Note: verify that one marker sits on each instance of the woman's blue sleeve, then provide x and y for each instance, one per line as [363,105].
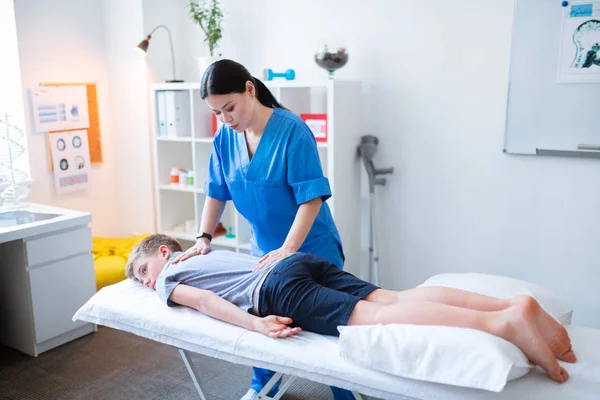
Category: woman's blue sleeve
[215,185]
[304,171]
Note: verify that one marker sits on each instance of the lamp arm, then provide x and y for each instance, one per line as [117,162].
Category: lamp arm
[170,44]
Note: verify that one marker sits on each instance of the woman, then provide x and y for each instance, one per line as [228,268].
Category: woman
[266,160]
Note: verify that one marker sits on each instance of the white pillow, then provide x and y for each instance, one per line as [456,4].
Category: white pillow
[502,287]
[449,355]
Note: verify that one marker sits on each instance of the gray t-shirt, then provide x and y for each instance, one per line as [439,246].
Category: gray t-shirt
[226,273]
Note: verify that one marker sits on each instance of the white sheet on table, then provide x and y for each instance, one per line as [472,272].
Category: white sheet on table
[131,307]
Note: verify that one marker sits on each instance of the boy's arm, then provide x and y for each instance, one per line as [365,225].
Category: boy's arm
[214,306]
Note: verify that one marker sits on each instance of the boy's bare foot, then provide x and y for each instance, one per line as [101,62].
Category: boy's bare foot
[555,335]
[521,330]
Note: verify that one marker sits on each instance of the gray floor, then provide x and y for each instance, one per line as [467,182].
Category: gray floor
[114,365]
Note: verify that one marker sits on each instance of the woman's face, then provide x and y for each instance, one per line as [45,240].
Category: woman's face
[235,109]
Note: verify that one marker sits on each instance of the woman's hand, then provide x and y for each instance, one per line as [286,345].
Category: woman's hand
[272,257]
[275,327]
[202,246]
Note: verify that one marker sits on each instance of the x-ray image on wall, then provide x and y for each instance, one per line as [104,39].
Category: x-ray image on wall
[580,43]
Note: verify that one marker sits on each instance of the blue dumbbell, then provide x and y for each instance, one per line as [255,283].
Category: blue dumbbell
[268,74]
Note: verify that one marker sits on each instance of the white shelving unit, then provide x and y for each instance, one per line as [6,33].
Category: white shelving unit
[191,147]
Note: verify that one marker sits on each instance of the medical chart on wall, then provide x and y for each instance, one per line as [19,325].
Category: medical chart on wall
[71,160]
[94,134]
[580,43]
[59,108]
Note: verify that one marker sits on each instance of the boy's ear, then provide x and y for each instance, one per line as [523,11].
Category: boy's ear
[164,250]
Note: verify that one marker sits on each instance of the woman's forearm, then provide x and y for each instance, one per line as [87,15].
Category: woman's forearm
[305,217]
[211,214]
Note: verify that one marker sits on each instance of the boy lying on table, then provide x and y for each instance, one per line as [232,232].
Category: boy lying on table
[304,291]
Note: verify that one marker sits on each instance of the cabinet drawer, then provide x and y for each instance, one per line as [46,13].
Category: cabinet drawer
[61,245]
[57,292]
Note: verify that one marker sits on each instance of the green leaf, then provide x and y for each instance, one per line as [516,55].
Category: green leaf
[208,15]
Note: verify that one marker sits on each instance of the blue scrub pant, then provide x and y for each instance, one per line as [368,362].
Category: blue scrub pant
[262,376]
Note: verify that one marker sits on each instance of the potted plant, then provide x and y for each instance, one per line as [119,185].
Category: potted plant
[207,14]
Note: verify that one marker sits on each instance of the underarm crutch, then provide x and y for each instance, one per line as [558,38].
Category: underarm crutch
[366,150]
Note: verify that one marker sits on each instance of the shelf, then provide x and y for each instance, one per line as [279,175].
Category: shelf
[225,242]
[208,140]
[294,84]
[182,235]
[245,246]
[176,86]
[185,139]
[174,139]
[179,188]
[221,241]
[278,83]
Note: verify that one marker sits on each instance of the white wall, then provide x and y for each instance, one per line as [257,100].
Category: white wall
[129,109]
[63,41]
[173,14]
[93,41]
[435,80]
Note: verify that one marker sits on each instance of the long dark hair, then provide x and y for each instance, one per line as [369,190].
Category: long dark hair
[227,76]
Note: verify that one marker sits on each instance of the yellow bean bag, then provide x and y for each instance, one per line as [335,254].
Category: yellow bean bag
[110,258]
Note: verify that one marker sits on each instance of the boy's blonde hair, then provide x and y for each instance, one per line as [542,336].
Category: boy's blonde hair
[149,246]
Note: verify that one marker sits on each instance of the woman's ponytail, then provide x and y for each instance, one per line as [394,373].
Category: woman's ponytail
[264,95]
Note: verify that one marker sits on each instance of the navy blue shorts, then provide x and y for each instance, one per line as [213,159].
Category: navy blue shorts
[314,293]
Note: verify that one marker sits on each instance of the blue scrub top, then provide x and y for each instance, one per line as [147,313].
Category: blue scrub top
[268,190]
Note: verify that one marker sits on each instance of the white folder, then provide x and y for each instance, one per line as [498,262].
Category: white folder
[161,111]
[178,113]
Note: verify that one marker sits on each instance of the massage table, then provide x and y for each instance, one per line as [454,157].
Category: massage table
[131,307]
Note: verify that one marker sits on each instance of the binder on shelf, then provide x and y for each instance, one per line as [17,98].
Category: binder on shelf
[177,106]
[161,111]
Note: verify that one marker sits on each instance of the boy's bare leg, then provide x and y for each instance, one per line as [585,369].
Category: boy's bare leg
[439,294]
[517,324]
[554,334]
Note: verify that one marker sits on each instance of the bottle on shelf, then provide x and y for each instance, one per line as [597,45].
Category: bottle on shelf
[183,175]
[174,178]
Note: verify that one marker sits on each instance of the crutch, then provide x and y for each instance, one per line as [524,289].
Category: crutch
[367,150]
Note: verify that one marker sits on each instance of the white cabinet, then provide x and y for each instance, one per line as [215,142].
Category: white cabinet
[46,274]
[60,245]
[190,148]
[57,291]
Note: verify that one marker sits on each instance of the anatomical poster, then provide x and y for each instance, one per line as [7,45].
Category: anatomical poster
[580,43]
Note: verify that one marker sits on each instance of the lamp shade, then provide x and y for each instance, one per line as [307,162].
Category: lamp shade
[142,48]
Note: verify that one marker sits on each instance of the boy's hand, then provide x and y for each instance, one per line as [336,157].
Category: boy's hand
[273,257]
[202,246]
[275,327]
